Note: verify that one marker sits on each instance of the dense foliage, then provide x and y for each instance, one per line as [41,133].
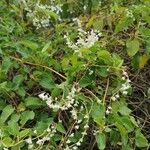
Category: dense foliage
[62,74]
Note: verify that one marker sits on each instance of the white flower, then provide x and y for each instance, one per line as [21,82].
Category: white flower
[39,142]
[84,133]
[113,98]
[107,112]
[30,146]
[68,141]
[123,78]
[109,107]
[35,131]
[29,140]
[86,116]
[72,135]
[125,92]
[75,148]
[85,39]
[78,143]
[76,127]
[48,129]
[91,72]
[86,126]
[79,121]
[117,96]
[42,96]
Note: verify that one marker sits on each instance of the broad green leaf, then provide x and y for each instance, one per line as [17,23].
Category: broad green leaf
[25,116]
[43,124]
[85,81]
[60,128]
[6,64]
[114,137]
[105,56]
[47,81]
[101,141]
[124,110]
[13,128]
[24,133]
[29,44]
[127,123]
[33,102]
[102,71]
[98,113]
[123,132]
[135,61]
[145,32]
[2,104]
[123,24]
[17,80]
[117,61]
[46,46]
[7,111]
[132,47]
[140,139]
[7,141]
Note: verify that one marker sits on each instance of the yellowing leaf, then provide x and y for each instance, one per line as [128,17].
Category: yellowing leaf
[91,21]
[143,60]
[132,47]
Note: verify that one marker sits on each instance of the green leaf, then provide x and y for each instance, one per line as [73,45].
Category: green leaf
[102,71]
[140,139]
[7,141]
[61,128]
[132,47]
[127,123]
[6,64]
[43,124]
[13,127]
[33,102]
[25,116]
[105,56]
[46,46]
[29,44]
[47,81]
[123,132]
[101,140]
[114,137]
[7,111]
[123,109]
[24,133]
[17,80]
[85,81]
[117,61]
[145,32]
[135,61]
[123,24]
[98,113]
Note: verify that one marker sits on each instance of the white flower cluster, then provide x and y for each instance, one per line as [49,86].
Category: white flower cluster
[129,14]
[50,132]
[70,102]
[108,111]
[29,142]
[85,39]
[76,145]
[124,90]
[126,85]
[40,13]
